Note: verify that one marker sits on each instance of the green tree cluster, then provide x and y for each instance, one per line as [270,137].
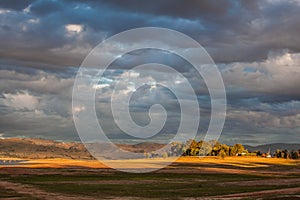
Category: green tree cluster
[213,148]
[286,154]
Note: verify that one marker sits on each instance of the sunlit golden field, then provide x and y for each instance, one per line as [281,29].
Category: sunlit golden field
[238,161]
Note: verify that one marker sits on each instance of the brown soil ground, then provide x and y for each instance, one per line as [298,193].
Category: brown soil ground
[37,193]
[286,191]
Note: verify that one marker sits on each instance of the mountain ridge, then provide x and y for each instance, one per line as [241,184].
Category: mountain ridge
[273,147]
[37,148]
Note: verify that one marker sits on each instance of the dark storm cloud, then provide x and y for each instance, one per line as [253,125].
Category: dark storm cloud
[15,4]
[46,7]
[177,8]
[230,30]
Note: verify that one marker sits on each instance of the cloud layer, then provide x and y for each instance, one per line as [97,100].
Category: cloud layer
[254,43]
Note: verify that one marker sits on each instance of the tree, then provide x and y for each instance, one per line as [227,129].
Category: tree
[214,143]
[176,149]
[294,155]
[237,149]
[225,148]
[195,151]
[222,154]
[216,148]
[285,154]
[205,148]
[147,155]
[258,153]
[165,155]
[194,148]
[198,148]
[277,153]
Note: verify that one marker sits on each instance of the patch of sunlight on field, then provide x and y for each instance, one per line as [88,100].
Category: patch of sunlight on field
[65,163]
[247,162]
[62,163]
[241,162]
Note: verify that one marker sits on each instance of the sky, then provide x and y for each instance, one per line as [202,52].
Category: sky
[255,45]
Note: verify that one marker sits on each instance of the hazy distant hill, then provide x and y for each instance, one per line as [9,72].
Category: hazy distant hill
[41,148]
[273,147]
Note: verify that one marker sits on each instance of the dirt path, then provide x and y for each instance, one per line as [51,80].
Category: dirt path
[272,182]
[264,193]
[24,189]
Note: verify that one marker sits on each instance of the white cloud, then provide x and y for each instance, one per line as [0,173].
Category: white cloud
[279,74]
[39,82]
[78,109]
[130,74]
[3,11]
[74,28]
[100,86]
[33,21]
[27,9]
[265,119]
[20,100]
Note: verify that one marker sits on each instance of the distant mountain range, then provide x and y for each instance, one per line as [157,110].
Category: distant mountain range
[273,147]
[34,148]
[40,148]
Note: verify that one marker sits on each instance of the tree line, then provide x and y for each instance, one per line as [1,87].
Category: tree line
[211,148]
[215,148]
[287,154]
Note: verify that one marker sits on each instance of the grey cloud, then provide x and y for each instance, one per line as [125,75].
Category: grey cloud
[53,110]
[175,8]
[268,78]
[15,4]
[32,124]
[264,119]
[240,31]
[12,81]
[36,105]
[45,7]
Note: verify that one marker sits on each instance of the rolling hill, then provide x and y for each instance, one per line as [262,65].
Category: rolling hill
[273,147]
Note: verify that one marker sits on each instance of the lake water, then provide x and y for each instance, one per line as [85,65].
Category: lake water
[11,162]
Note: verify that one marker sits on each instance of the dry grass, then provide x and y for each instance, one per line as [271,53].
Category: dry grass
[241,161]
[244,162]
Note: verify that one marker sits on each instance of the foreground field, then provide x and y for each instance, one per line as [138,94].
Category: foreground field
[187,178]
